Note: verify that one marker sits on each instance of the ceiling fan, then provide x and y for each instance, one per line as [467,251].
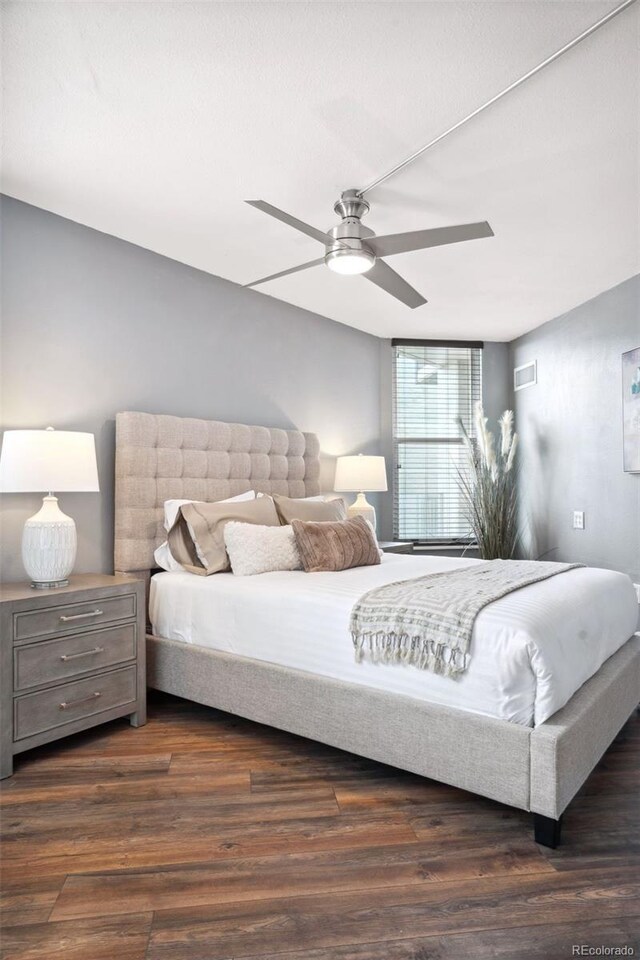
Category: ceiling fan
[351,248]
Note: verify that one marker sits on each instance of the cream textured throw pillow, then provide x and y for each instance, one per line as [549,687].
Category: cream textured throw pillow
[196,539]
[256,549]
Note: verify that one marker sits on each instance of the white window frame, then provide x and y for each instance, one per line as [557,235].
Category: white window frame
[397,442]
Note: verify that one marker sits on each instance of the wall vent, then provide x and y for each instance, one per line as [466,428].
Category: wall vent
[525,376]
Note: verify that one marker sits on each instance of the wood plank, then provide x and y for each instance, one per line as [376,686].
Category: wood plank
[209,842]
[192,729]
[129,790]
[294,875]
[71,768]
[404,792]
[96,819]
[251,928]
[125,938]
[456,822]
[211,762]
[341,768]
[26,900]
[540,942]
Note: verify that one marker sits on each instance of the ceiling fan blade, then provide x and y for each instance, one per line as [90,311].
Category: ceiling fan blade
[420,239]
[291,221]
[387,279]
[284,273]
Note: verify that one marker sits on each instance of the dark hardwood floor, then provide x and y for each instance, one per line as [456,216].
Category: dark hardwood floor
[205,837]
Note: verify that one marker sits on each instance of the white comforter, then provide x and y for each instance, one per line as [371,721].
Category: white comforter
[530,651]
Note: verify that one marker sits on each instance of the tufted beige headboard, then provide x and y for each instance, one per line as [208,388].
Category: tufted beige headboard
[162,458]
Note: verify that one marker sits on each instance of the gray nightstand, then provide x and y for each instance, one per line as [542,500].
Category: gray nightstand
[396,546]
[69,659]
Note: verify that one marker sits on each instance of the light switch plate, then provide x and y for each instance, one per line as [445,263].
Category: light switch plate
[578,519]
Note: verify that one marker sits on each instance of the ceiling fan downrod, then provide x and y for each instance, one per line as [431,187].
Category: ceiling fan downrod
[512,86]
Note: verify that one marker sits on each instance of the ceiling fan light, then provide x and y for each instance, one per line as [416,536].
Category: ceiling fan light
[349,262]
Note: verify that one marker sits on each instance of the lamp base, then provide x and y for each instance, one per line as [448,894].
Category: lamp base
[362,508]
[49,546]
[49,584]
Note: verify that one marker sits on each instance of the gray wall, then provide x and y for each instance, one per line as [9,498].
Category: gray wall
[93,325]
[570,425]
[496,398]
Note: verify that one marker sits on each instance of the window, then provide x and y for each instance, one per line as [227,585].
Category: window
[434,383]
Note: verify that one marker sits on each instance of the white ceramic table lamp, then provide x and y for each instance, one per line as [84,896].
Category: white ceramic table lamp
[361,474]
[40,461]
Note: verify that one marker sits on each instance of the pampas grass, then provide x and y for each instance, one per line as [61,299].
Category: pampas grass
[489,486]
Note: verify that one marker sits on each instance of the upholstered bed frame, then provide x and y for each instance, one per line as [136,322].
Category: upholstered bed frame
[537,769]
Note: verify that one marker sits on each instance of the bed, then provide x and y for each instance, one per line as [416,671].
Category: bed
[524,729]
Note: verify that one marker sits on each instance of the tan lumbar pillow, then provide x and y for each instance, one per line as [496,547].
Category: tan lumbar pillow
[335,546]
[310,508]
[196,539]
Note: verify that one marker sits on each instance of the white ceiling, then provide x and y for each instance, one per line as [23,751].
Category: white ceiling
[153,121]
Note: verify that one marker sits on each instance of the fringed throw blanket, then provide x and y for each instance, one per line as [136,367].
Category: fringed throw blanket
[428,621]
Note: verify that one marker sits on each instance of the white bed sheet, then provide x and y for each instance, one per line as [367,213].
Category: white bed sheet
[530,651]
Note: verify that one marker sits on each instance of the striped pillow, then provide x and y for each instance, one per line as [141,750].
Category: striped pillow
[335,545]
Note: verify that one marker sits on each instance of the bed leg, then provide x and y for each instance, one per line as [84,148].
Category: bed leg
[546,830]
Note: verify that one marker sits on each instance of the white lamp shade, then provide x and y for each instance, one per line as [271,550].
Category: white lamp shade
[37,461]
[355,474]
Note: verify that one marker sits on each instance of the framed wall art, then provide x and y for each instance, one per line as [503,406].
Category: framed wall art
[631,410]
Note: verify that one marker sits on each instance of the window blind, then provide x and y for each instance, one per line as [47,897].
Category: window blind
[434,383]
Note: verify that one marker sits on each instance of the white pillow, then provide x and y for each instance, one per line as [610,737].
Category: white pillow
[254,548]
[171,507]
[163,556]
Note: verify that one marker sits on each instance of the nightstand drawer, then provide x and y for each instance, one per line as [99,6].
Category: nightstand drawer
[68,618]
[43,711]
[52,660]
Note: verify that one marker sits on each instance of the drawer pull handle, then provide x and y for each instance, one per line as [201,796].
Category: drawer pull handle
[84,653]
[81,616]
[76,703]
